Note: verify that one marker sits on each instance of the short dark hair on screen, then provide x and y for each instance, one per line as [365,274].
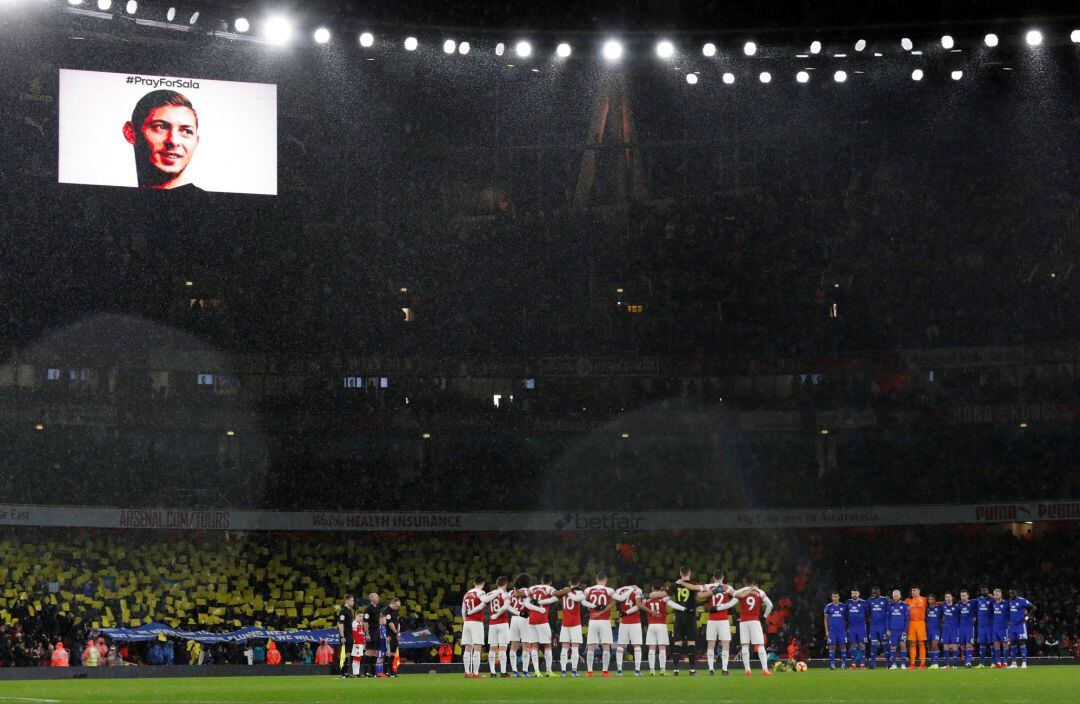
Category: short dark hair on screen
[157,99]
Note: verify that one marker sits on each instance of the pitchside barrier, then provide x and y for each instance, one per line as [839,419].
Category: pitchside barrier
[414,669]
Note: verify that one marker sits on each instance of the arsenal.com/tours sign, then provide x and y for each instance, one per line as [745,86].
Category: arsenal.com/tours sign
[198,520]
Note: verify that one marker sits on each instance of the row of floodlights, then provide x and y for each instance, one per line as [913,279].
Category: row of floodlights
[278,30]
[804,76]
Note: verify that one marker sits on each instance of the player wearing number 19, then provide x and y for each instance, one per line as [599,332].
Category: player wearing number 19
[685,622]
[836,630]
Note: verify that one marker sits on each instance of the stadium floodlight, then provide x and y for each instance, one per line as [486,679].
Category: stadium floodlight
[322,35]
[277,30]
[104,5]
[523,49]
[411,43]
[563,50]
[802,76]
[612,50]
[906,44]
[765,77]
[709,49]
[132,7]
[191,20]
[500,49]
[1034,37]
[990,40]
[749,48]
[840,76]
[1074,36]
[692,79]
[917,74]
[367,40]
[449,46]
[860,45]
[815,47]
[170,14]
[957,75]
[242,25]
[74,2]
[464,48]
[665,49]
[947,42]
[729,78]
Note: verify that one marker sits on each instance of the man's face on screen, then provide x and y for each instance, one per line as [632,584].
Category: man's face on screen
[166,141]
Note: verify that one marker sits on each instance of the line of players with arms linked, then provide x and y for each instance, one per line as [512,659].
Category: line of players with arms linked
[518,620]
[989,627]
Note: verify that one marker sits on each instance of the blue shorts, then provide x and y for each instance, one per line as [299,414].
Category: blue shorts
[837,637]
[967,633]
[950,636]
[1001,634]
[1018,632]
[877,634]
[933,636]
[896,638]
[986,635]
[857,635]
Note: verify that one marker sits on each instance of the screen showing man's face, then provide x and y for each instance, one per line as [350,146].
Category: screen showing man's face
[164,144]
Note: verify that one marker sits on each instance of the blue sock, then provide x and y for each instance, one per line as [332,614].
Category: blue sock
[1023,652]
[832,657]
[1012,654]
[873,655]
[888,657]
[967,656]
[934,655]
[846,655]
[985,654]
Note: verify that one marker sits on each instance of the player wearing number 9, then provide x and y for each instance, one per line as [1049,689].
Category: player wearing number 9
[164,131]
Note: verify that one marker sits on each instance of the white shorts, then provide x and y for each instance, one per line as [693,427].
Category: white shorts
[472,633]
[570,634]
[718,630]
[630,634]
[519,626]
[657,634]
[750,633]
[358,651]
[599,632]
[539,633]
[499,635]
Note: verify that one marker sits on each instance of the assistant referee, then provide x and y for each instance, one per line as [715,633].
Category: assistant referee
[344,627]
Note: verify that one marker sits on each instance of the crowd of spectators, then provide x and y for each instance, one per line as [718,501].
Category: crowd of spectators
[799,569]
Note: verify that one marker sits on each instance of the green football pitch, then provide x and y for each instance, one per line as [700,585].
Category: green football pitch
[1037,684]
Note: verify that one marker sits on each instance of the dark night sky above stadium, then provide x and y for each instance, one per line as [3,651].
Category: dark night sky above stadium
[652,15]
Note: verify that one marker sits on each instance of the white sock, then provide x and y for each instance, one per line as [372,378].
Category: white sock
[574,658]
[466,660]
[746,657]
[763,657]
[620,652]
[502,661]
[637,658]
[725,655]
[710,658]
[491,661]
[356,668]
[564,657]
[535,655]
[513,661]
[606,657]
[652,659]
[663,660]
[549,658]
[590,655]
